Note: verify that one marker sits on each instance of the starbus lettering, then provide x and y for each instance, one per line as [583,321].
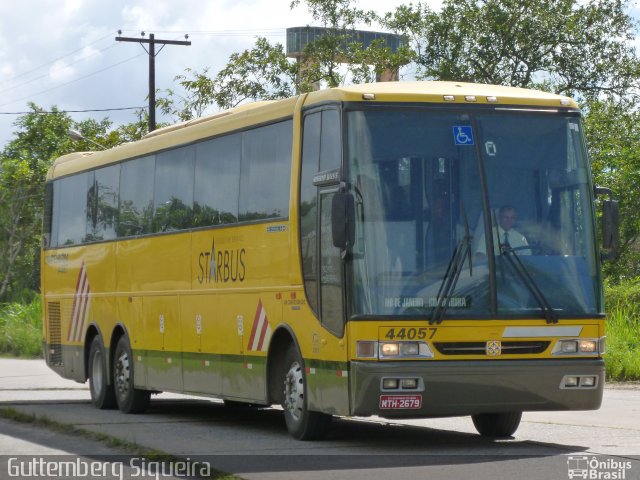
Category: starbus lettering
[221,266]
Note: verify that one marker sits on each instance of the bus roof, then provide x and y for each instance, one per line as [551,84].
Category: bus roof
[261,112]
[435,92]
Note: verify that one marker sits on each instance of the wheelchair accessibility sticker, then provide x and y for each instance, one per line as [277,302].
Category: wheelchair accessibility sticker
[463,135]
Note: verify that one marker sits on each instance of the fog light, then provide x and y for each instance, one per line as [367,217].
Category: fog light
[569,346]
[409,383]
[409,349]
[588,346]
[389,349]
[366,349]
[389,383]
[588,382]
[570,381]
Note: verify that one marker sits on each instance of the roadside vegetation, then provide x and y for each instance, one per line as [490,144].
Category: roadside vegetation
[623,331]
[21,328]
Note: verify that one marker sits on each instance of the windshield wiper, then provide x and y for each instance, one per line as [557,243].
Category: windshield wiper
[451,276]
[514,259]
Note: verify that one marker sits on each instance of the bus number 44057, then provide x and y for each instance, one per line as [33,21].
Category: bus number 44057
[404,333]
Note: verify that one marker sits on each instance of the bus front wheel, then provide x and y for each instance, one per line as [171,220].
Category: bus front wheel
[497,425]
[102,394]
[129,398]
[302,423]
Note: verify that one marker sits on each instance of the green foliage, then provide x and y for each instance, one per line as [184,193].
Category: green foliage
[613,134]
[260,73]
[21,329]
[623,331]
[570,47]
[264,72]
[39,139]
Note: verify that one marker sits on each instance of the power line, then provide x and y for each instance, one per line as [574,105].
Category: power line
[27,82]
[74,111]
[71,81]
[236,32]
[56,59]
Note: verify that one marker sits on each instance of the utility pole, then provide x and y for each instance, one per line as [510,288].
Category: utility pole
[152,41]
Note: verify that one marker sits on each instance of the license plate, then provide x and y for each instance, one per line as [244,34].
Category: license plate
[400,402]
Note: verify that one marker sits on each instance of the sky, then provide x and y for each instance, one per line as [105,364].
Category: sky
[64,53]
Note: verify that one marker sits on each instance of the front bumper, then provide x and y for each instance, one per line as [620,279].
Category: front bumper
[450,388]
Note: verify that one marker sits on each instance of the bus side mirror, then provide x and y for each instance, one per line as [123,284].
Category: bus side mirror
[610,224]
[610,228]
[343,214]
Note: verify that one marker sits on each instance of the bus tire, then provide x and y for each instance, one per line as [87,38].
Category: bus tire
[497,425]
[102,393]
[302,423]
[129,398]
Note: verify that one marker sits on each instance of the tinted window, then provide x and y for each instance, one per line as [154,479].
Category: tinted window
[102,204]
[265,172]
[173,193]
[217,181]
[70,209]
[330,271]
[330,140]
[308,206]
[48,215]
[136,197]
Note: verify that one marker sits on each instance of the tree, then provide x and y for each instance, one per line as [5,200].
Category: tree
[613,133]
[581,49]
[40,138]
[260,73]
[25,161]
[264,72]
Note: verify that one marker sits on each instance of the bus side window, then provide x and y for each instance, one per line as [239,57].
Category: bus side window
[136,196]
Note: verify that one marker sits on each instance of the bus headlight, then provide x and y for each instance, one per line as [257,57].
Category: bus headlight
[369,349]
[578,346]
[389,350]
[588,346]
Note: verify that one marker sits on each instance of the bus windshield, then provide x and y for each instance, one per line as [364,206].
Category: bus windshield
[430,183]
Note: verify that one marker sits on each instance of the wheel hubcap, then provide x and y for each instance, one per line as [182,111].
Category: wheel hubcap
[123,375]
[294,391]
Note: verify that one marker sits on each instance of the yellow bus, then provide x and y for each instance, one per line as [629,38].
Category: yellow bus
[329,253]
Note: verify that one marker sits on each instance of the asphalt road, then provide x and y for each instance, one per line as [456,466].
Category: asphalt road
[254,444]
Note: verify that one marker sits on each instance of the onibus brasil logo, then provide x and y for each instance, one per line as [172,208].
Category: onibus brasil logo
[595,467]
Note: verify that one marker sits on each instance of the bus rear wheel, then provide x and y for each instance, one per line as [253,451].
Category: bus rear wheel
[302,423]
[497,425]
[129,398]
[102,394]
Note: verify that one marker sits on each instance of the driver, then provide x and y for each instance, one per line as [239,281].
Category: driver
[505,234]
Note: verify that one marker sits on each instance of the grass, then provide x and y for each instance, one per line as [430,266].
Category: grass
[623,331]
[21,329]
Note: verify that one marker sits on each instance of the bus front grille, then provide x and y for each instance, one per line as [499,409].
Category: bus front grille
[479,348]
[54,344]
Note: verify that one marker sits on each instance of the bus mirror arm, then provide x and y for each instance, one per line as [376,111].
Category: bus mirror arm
[610,224]
[343,214]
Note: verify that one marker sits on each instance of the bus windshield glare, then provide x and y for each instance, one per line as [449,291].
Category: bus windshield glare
[424,181]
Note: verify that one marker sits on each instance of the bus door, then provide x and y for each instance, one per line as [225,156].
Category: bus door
[322,266]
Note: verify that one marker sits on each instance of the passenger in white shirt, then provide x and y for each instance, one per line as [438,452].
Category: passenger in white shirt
[508,235]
